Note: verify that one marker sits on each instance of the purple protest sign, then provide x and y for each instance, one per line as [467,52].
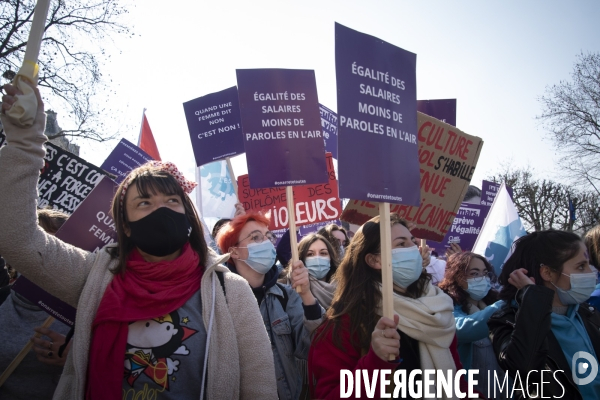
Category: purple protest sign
[313,228]
[377,119]
[443,109]
[125,157]
[91,226]
[489,191]
[329,121]
[465,228]
[52,305]
[214,124]
[282,129]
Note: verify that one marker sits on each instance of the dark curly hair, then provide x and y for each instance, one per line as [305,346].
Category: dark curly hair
[456,271]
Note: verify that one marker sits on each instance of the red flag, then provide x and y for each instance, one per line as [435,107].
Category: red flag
[146,140]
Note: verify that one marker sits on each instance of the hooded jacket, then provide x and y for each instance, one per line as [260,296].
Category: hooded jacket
[240,364]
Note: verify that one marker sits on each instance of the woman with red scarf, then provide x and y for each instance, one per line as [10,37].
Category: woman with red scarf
[158,316]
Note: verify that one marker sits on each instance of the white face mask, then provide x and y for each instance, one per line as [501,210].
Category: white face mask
[261,256]
[407,265]
[582,286]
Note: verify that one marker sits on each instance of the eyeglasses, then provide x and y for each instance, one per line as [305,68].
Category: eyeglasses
[479,276]
[259,237]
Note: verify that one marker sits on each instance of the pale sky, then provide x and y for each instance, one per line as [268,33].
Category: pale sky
[495,57]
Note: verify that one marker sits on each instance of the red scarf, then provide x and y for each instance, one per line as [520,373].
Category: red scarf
[146,290]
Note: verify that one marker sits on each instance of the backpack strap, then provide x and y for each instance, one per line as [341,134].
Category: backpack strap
[283,300]
[221,276]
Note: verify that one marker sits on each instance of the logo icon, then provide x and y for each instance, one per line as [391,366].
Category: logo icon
[582,367]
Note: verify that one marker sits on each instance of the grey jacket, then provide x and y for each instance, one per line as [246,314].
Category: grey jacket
[240,364]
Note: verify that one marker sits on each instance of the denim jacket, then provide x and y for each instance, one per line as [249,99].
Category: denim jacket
[290,333]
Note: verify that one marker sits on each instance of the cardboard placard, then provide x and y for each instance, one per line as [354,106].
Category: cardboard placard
[442,109]
[215,126]
[124,158]
[313,203]
[329,121]
[447,158]
[282,129]
[66,179]
[91,226]
[377,119]
[465,228]
[55,307]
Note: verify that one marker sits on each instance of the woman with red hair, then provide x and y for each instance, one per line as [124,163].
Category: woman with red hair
[289,317]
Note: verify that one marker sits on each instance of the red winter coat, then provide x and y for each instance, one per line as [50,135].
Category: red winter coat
[325,360]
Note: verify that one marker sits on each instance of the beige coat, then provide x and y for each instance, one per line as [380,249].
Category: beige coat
[240,360]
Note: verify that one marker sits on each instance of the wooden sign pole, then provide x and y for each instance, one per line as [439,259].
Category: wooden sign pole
[291,209]
[17,360]
[387,282]
[24,110]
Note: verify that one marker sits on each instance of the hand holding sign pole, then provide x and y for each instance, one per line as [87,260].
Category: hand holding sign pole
[23,111]
[26,349]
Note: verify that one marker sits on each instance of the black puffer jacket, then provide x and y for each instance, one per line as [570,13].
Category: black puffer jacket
[523,341]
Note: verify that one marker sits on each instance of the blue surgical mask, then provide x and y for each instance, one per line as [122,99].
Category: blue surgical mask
[261,256]
[342,251]
[318,266]
[407,265]
[582,286]
[478,288]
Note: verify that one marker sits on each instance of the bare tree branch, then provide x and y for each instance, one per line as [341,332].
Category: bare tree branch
[71,57]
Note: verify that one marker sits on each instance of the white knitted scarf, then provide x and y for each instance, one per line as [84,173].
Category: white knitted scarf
[430,320]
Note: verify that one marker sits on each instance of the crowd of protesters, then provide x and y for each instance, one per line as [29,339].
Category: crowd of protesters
[162,315]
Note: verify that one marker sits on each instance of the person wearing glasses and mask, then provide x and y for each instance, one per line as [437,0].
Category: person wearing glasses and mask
[289,317]
[468,281]
[546,324]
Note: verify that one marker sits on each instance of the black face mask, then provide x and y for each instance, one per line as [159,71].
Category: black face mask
[161,232]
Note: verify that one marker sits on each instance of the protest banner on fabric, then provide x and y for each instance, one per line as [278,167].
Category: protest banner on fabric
[489,191]
[465,228]
[447,157]
[442,109]
[377,119]
[124,158]
[91,226]
[313,203]
[66,179]
[281,123]
[55,307]
[329,122]
[501,228]
[217,193]
[215,126]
